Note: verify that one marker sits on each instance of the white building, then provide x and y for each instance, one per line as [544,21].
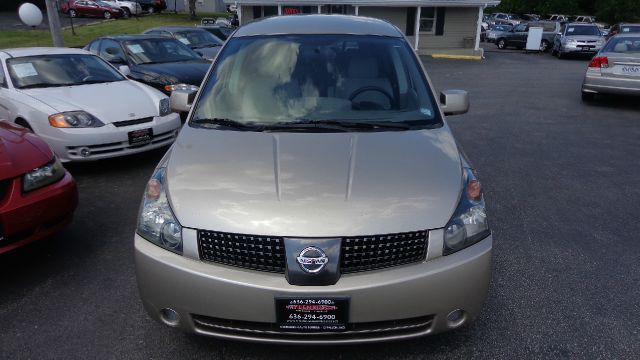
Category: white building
[449,27]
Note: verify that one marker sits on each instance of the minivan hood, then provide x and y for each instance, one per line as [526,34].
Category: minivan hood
[109,102]
[314,184]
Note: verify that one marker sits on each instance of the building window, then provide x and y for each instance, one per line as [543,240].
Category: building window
[428,20]
[338,9]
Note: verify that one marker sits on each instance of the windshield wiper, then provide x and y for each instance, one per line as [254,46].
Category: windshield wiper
[225,122]
[41,85]
[337,125]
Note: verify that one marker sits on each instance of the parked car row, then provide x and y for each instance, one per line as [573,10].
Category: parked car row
[111,8]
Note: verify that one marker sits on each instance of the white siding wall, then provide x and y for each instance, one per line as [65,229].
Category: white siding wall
[459,23]
[396,15]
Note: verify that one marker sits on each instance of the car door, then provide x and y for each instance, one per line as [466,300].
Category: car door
[92,8]
[5,112]
[518,36]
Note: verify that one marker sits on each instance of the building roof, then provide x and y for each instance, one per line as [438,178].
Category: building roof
[318,24]
[32,51]
[390,3]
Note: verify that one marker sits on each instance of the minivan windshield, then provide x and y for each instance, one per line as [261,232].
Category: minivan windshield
[355,81]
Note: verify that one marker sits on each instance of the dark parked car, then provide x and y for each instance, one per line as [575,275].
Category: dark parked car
[37,195]
[220,31]
[517,37]
[199,40]
[152,6]
[161,62]
[91,8]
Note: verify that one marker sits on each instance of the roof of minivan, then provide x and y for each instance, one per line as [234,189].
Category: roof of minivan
[318,24]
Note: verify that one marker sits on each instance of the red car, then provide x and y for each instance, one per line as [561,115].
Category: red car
[90,8]
[37,195]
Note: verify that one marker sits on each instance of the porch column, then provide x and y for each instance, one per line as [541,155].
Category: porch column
[279,9]
[357,9]
[479,29]
[416,31]
[319,9]
[239,11]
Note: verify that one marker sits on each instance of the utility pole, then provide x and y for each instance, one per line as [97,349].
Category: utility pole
[54,23]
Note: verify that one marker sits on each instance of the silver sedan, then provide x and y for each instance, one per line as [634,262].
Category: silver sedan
[615,69]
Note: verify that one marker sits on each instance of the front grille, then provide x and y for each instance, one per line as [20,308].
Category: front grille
[263,253]
[117,147]
[266,253]
[133,122]
[363,253]
[355,331]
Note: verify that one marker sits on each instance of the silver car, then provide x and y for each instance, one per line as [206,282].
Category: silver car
[577,38]
[615,69]
[315,195]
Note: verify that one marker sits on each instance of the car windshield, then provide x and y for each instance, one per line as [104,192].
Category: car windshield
[630,29]
[158,50]
[583,30]
[60,70]
[623,45]
[197,38]
[501,27]
[287,80]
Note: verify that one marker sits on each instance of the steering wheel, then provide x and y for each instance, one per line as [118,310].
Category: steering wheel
[371,88]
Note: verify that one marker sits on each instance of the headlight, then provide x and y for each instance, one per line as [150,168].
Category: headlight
[571,42]
[469,222]
[165,107]
[156,221]
[74,119]
[185,87]
[43,176]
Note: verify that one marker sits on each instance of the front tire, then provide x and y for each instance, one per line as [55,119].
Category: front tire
[544,46]
[73,13]
[126,13]
[151,10]
[107,15]
[501,44]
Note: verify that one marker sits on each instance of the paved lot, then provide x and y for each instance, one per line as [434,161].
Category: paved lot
[562,190]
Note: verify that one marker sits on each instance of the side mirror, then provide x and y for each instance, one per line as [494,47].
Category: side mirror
[182,99]
[124,69]
[454,102]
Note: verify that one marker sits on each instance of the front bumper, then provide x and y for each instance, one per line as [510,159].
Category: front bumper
[396,303]
[580,48]
[595,83]
[25,218]
[109,140]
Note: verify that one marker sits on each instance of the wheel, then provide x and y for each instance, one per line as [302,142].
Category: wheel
[544,46]
[151,10]
[554,52]
[107,15]
[502,44]
[126,13]
[560,54]
[588,97]
[73,13]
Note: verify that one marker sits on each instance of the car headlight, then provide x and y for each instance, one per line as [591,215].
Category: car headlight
[74,119]
[156,221]
[571,42]
[468,225]
[45,175]
[165,107]
[185,87]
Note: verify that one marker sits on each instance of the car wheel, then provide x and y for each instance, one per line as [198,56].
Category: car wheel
[107,15]
[126,13]
[151,10]
[560,54]
[544,46]
[554,52]
[73,13]
[588,97]
[502,44]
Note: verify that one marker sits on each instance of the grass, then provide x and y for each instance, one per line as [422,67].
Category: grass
[86,33]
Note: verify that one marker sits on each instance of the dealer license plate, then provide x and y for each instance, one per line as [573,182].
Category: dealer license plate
[140,137]
[586,48]
[312,314]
